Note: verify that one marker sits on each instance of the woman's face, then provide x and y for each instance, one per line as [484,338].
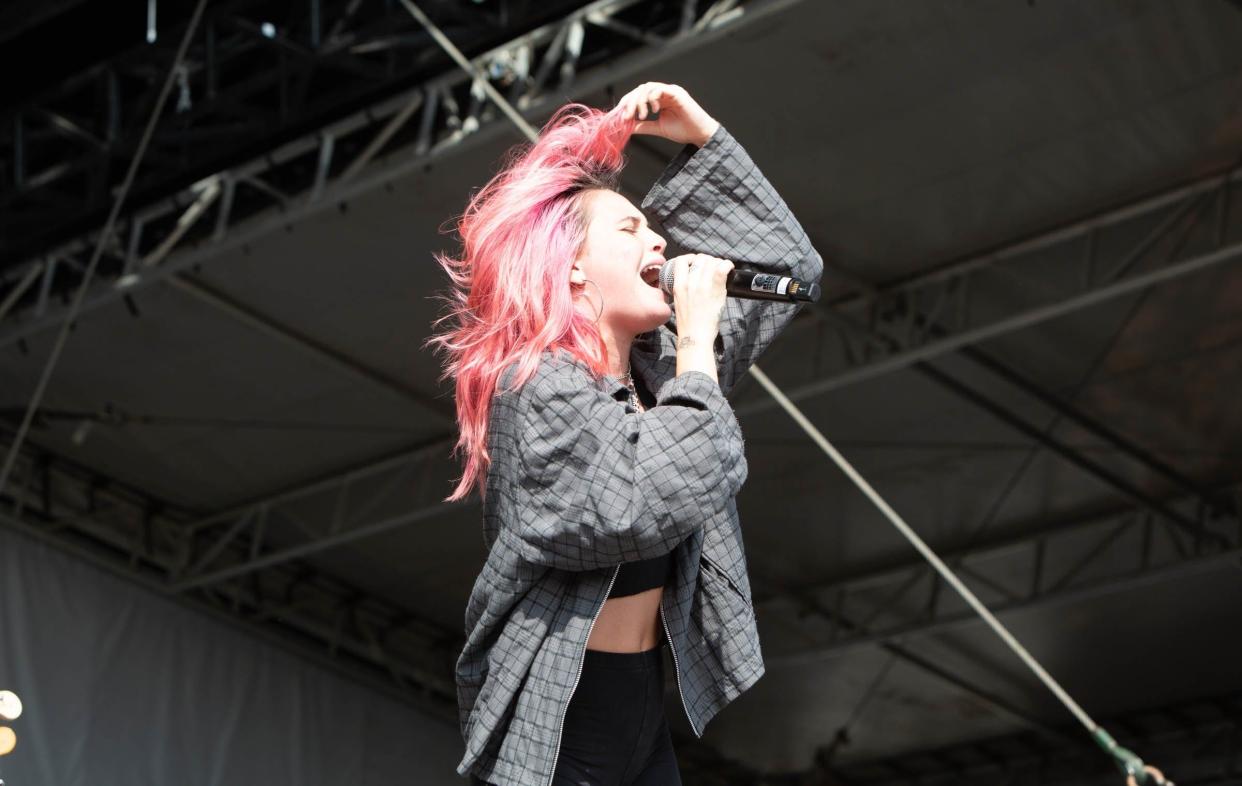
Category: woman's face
[619,245]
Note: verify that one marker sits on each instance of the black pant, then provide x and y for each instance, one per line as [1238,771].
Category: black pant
[615,731]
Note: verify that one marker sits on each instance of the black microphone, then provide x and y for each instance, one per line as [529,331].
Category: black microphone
[755,285]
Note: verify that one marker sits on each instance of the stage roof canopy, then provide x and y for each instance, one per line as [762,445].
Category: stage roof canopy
[1032,225]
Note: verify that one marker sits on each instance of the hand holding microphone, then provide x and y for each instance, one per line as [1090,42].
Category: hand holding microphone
[697,283]
[753,284]
[698,299]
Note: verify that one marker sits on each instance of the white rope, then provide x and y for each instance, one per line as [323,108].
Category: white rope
[480,79]
[1130,762]
[1136,772]
[923,549]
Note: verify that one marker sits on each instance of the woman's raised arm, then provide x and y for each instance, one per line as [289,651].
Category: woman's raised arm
[714,200]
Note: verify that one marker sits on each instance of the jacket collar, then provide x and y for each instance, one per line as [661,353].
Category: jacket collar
[644,364]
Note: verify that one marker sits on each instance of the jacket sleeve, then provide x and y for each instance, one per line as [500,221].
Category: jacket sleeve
[714,200]
[599,484]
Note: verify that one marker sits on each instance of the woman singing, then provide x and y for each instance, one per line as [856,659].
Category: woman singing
[595,428]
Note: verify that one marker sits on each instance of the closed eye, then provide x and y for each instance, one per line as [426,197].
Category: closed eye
[630,224]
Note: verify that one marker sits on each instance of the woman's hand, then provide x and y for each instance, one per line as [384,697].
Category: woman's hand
[699,295]
[681,118]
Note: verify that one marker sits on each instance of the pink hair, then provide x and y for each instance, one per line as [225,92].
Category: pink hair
[509,296]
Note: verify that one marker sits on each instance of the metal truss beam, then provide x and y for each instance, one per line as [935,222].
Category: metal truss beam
[292,633]
[1192,524]
[323,538]
[1164,552]
[274,595]
[1187,218]
[247,563]
[1211,503]
[323,512]
[245,80]
[232,566]
[158,545]
[1194,741]
[237,565]
[1068,561]
[300,178]
[1011,288]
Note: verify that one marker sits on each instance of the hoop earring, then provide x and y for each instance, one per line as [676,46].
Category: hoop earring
[600,311]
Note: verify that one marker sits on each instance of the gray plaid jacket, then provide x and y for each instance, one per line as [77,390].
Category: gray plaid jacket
[581,482]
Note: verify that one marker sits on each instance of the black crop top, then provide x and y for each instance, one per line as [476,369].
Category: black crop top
[644,574]
[634,577]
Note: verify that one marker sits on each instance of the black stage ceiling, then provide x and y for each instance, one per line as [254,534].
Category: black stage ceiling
[1028,343]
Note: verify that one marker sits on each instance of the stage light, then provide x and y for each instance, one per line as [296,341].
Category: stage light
[10,705]
[268,29]
[8,740]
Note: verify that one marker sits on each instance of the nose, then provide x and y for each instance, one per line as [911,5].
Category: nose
[659,244]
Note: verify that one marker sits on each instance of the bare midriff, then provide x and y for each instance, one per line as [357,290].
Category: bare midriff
[628,624]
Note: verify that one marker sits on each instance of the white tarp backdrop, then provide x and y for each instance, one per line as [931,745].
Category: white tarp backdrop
[123,687]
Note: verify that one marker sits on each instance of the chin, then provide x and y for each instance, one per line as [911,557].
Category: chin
[658,317]
[665,315]
[645,315]
[646,322]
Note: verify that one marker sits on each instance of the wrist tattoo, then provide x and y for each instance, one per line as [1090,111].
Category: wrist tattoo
[685,341]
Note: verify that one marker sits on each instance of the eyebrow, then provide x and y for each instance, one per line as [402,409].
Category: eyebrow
[636,219]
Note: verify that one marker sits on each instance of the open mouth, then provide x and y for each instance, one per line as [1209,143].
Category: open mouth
[651,276]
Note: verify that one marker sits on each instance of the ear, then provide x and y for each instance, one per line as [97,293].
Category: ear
[577,277]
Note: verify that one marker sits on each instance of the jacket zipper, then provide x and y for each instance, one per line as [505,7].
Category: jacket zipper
[560,729]
[676,668]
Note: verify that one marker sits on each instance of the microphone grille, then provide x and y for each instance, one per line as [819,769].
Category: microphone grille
[666,278]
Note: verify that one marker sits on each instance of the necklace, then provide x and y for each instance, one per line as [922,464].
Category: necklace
[633,392]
